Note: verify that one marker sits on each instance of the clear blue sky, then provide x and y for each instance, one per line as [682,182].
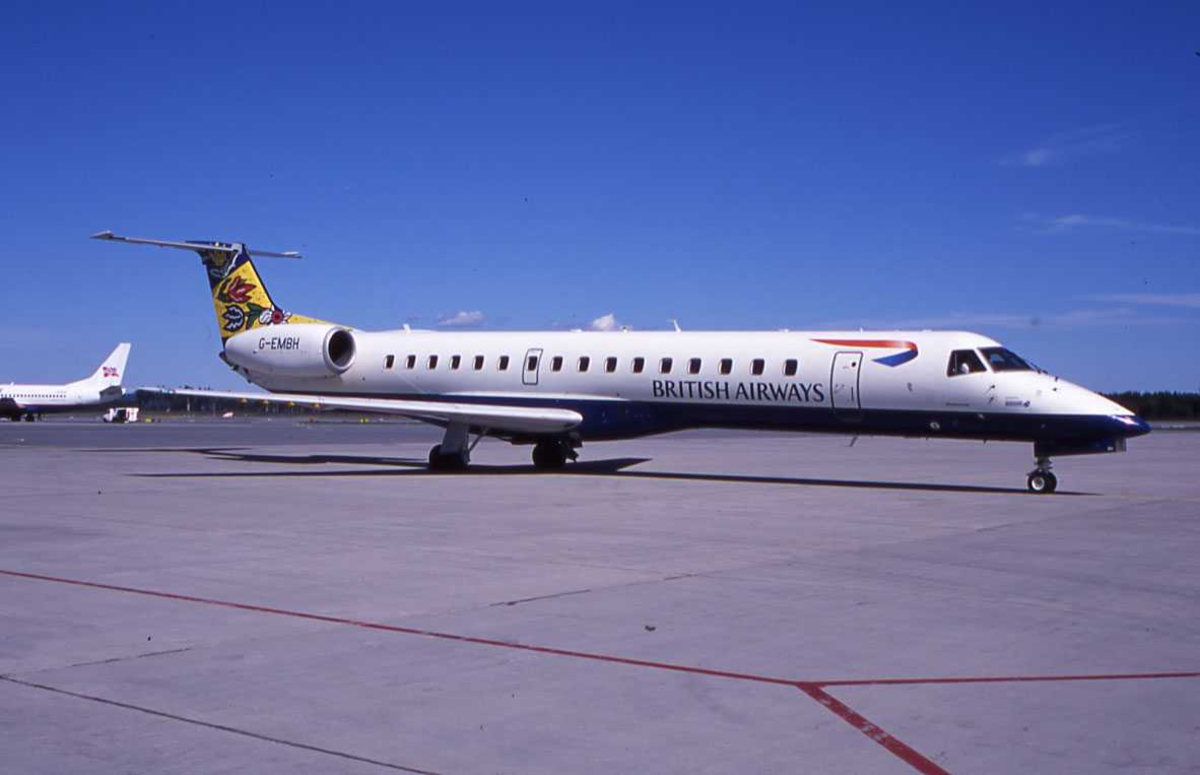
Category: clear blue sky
[1028,171]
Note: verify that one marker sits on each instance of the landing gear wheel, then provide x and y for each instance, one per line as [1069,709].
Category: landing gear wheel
[1042,482]
[549,455]
[454,461]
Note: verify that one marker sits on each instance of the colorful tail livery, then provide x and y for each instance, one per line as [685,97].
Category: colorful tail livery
[239,297]
[908,349]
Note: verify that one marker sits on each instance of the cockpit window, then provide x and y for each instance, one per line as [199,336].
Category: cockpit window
[964,362]
[1003,359]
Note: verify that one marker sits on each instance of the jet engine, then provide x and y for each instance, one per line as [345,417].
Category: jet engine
[293,350]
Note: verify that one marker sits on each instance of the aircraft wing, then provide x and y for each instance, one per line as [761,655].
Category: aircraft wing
[494,417]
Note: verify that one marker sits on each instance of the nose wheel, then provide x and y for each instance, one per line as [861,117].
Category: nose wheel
[1041,479]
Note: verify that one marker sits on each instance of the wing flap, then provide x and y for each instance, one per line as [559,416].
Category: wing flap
[497,417]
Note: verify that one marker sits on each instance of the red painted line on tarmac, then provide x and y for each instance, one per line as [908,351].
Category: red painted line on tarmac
[999,679]
[411,630]
[894,746]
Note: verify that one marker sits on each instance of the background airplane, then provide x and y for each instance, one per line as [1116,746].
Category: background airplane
[101,389]
[555,390]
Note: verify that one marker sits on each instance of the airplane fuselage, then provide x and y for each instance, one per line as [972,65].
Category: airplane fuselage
[22,400]
[103,388]
[628,384]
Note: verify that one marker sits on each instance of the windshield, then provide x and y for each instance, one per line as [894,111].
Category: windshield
[1003,359]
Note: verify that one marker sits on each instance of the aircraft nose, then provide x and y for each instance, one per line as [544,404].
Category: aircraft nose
[1130,425]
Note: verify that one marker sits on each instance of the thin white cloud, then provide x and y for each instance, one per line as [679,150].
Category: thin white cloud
[463,318]
[606,323]
[1062,147]
[1063,224]
[1188,300]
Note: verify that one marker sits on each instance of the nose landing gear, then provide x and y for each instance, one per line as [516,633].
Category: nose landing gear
[1041,479]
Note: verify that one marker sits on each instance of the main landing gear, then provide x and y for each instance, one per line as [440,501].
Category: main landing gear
[454,453]
[1041,479]
[553,454]
[448,461]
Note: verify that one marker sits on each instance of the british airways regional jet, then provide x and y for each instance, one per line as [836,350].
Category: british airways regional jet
[556,390]
[101,389]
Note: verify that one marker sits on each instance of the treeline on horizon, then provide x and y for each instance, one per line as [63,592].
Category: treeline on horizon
[168,403]
[1160,405]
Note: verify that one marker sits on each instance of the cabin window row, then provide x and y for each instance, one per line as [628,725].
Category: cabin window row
[456,361]
[637,365]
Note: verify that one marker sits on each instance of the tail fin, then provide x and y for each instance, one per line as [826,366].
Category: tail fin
[239,297]
[112,371]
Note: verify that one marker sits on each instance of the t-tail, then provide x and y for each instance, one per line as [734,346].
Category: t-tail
[240,299]
[112,372]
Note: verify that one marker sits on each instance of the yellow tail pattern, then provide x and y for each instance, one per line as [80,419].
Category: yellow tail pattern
[240,299]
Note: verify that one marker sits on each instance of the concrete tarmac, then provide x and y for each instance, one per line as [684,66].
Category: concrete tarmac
[293,597]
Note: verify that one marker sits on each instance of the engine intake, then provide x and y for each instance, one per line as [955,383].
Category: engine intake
[293,350]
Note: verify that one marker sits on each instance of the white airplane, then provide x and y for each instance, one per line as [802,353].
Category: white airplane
[555,390]
[101,389]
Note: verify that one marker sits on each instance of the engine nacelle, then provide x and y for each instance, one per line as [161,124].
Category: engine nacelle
[293,350]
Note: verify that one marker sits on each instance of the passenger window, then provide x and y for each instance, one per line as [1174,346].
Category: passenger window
[964,362]
[531,363]
[584,363]
[726,366]
[639,364]
[455,362]
[410,362]
[432,362]
[756,367]
[556,363]
[478,363]
[664,366]
[389,362]
[610,364]
[502,364]
[693,366]
[789,367]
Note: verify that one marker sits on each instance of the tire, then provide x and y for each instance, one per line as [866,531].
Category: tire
[1041,482]
[548,456]
[456,461]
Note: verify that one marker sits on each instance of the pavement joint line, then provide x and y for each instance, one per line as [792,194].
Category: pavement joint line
[535,599]
[95,662]
[217,727]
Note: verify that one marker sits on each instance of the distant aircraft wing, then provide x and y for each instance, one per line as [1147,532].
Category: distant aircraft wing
[494,417]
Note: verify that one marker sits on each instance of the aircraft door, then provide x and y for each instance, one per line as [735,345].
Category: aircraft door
[533,362]
[844,384]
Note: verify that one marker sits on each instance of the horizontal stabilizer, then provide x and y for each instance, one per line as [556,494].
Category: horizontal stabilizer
[110,237]
[495,417]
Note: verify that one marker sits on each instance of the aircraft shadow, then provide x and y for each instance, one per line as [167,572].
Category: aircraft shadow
[392,466]
[613,467]
[813,482]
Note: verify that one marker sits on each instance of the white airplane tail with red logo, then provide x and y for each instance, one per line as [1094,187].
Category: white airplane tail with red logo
[112,371]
